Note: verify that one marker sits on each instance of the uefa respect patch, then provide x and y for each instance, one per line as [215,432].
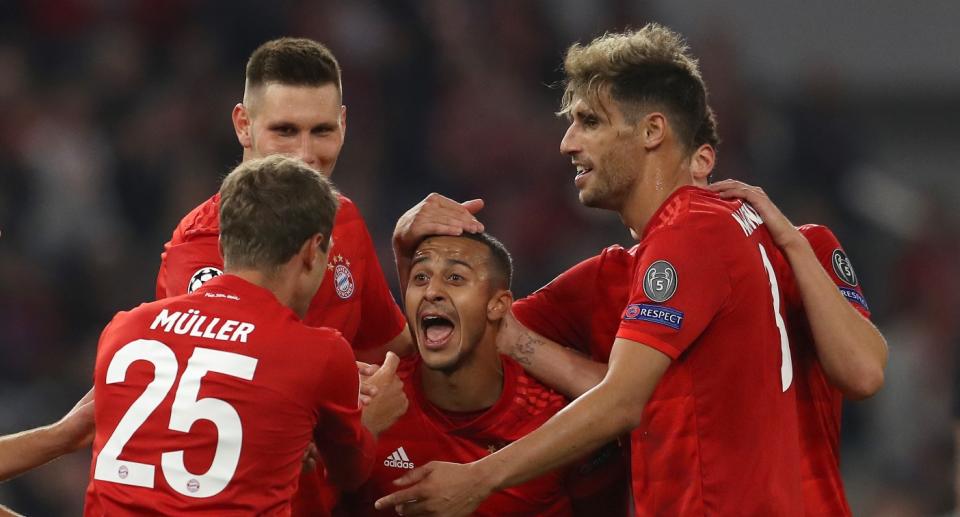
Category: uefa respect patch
[667,316]
[853,296]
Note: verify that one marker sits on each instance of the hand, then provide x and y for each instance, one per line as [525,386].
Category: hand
[390,401]
[367,390]
[781,229]
[438,488]
[435,215]
[76,427]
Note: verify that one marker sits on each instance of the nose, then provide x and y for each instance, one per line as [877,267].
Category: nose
[434,291]
[305,151]
[569,146]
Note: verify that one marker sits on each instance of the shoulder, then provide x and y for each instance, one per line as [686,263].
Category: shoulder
[348,211]
[530,395]
[818,234]
[203,219]
[697,211]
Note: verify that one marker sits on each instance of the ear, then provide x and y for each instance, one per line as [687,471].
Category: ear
[343,119]
[311,255]
[702,163]
[241,125]
[653,129]
[499,304]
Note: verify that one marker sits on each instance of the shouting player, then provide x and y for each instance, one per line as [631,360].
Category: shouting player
[467,400]
[205,403]
[700,368]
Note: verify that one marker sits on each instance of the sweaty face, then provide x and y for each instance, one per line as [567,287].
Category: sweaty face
[306,122]
[605,149]
[446,299]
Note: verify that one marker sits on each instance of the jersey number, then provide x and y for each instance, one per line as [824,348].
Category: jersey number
[186,410]
[786,364]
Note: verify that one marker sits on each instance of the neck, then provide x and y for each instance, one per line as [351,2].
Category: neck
[474,385]
[660,179]
[282,286]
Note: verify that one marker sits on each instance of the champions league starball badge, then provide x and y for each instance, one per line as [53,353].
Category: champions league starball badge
[202,276]
[660,281]
[842,267]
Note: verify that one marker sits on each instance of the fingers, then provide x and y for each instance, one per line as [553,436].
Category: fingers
[397,499]
[390,364]
[473,206]
[443,211]
[367,369]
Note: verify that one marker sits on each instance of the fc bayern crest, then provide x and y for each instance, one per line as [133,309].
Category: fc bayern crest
[343,280]
[660,281]
[202,276]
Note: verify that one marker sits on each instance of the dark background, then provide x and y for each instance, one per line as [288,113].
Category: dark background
[115,122]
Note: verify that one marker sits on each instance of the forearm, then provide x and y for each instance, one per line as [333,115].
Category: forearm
[851,350]
[555,365]
[23,451]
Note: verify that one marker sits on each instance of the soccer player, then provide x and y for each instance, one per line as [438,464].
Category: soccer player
[700,369]
[467,400]
[292,105]
[206,402]
[23,451]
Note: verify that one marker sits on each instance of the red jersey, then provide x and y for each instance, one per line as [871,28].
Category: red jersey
[721,404]
[819,404]
[570,311]
[206,402]
[354,290]
[425,433]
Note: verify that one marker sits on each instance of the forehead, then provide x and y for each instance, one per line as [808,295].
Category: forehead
[284,100]
[456,248]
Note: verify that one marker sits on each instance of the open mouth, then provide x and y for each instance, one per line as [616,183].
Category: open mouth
[581,174]
[437,330]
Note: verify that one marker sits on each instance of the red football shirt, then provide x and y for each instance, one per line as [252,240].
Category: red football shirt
[354,290]
[819,404]
[354,298]
[425,433]
[571,312]
[721,405]
[205,404]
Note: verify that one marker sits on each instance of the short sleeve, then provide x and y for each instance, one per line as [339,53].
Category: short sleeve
[678,286]
[837,264]
[560,310]
[187,263]
[381,319]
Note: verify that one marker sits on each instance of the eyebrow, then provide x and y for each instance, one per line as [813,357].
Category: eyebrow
[423,258]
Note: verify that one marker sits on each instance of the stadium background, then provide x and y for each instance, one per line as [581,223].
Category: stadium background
[115,122]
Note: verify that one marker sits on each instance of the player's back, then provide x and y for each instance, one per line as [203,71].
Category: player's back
[205,404]
[719,433]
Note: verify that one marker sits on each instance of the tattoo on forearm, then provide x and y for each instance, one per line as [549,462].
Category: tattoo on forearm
[524,348]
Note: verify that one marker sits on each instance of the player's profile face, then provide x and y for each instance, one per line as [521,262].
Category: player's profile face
[446,299]
[603,148]
[306,122]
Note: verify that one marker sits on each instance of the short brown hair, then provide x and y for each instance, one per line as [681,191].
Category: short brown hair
[269,208]
[650,68]
[293,62]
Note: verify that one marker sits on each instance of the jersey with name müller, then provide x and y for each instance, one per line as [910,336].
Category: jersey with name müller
[425,433]
[206,402]
[719,433]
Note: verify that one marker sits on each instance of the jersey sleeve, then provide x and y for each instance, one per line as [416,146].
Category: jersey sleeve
[338,426]
[195,259]
[559,310]
[837,264]
[677,290]
[381,318]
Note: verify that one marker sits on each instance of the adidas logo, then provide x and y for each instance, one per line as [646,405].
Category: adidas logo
[398,460]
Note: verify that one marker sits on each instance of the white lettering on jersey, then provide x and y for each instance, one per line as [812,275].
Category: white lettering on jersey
[747,218]
[196,325]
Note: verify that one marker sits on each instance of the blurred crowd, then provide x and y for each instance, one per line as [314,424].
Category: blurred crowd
[116,123]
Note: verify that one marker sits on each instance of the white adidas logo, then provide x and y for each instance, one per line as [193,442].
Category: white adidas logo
[398,460]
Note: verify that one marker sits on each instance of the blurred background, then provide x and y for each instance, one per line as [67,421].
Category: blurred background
[116,122]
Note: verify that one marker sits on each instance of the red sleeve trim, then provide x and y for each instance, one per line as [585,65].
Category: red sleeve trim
[644,338]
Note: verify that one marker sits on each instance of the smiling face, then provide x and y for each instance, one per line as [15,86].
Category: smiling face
[606,150]
[306,122]
[452,299]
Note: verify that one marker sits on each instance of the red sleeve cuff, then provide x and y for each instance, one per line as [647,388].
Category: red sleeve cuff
[644,338]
